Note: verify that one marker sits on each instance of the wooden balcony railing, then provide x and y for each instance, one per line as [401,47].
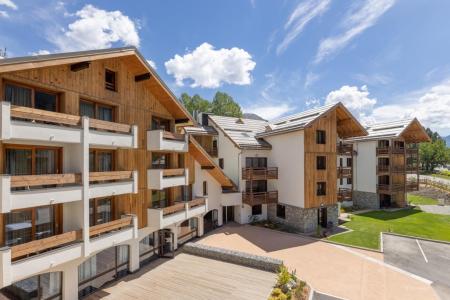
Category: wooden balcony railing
[259,173]
[37,246]
[344,171]
[383,168]
[344,194]
[196,202]
[390,187]
[173,172]
[390,150]
[255,198]
[33,114]
[110,226]
[69,178]
[178,207]
[173,136]
[344,149]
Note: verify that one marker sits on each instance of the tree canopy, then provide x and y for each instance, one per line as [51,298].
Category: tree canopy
[434,154]
[222,105]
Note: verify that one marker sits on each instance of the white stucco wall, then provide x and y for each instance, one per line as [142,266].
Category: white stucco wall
[288,155]
[364,169]
[344,164]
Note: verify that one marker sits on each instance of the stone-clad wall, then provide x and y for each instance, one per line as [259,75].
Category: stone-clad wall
[365,200]
[236,257]
[302,219]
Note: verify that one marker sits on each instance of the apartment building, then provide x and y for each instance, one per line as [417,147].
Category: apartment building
[286,169]
[386,163]
[95,179]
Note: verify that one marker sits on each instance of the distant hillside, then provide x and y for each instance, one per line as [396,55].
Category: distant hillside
[447,140]
[256,117]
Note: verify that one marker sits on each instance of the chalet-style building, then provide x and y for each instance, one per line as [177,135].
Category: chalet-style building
[95,179]
[386,163]
[286,169]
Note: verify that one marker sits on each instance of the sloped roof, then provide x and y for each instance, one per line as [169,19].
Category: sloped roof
[165,95]
[242,132]
[408,129]
[201,130]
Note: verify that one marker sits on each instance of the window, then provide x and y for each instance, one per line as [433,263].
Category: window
[205,188]
[101,160]
[221,163]
[256,162]
[110,80]
[44,286]
[281,211]
[383,143]
[31,160]
[341,162]
[321,189]
[160,198]
[160,160]
[256,186]
[349,180]
[257,209]
[186,191]
[100,211]
[96,110]
[341,180]
[321,162]
[26,225]
[321,137]
[349,161]
[31,97]
[160,123]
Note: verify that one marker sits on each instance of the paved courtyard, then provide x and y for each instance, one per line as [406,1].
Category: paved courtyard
[428,259]
[335,270]
[191,278]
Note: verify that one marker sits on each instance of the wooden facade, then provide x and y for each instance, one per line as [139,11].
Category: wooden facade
[133,102]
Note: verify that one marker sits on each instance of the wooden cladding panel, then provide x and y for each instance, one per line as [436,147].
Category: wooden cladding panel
[312,150]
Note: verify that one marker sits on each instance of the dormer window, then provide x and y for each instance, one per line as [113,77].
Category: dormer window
[110,80]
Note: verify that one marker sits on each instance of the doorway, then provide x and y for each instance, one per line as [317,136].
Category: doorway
[210,220]
[385,200]
[227,214]
[166,240]
[323,217]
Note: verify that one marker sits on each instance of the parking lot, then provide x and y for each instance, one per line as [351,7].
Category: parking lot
[430,260]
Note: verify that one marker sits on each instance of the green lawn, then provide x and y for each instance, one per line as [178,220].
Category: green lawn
[420,200]
[367,227]
[441,176]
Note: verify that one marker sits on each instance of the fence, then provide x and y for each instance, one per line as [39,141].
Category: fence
[435,184]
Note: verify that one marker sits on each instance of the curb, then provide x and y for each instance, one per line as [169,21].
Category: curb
[415,237]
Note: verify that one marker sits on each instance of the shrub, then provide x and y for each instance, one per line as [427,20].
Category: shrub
[283,276]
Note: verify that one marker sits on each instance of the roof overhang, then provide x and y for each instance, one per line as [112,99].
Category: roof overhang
[347,125]
[415,133]
[133,58]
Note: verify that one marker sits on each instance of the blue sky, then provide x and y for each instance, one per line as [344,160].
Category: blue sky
[385,59]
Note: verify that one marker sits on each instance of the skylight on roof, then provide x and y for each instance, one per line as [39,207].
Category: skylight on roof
[387,128]
[304,117]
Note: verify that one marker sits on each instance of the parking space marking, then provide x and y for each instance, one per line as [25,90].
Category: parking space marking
[420,247]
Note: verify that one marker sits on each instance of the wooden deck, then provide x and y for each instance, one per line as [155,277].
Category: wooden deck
[191,278]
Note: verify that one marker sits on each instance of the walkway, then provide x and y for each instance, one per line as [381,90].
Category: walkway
[191,278]
[335,270]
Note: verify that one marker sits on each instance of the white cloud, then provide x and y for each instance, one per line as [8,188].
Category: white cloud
[432,108]
[312,103]
[310,79]
[355,99]
[355,23]
[269,112]
[151,63]
[95,28]
[4,14]
[210,68]
[299,18]
[40,52]
[8,3]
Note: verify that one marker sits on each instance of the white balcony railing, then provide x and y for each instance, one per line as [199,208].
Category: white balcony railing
[160,140]
[163,178]
[159,218]
[30,124]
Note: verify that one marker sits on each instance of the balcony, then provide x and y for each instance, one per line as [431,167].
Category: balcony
[390,188]
[163,178]
[24,260]
[30,124]
[159,218]
[161,140]
[344,171]
[106,235]
[259,173]
[51,189]
[256,198]
[344,149]
[390,150]
[383,169]
[344,194]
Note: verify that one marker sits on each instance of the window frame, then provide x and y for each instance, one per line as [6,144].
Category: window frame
[283,214]
[33,89]
[96,108]
[205,188]
[96,152]
[161,120]
[58,158]
[321,137]
[111,86]
[95,212]
[321,162]
[221,163]
[321,191]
